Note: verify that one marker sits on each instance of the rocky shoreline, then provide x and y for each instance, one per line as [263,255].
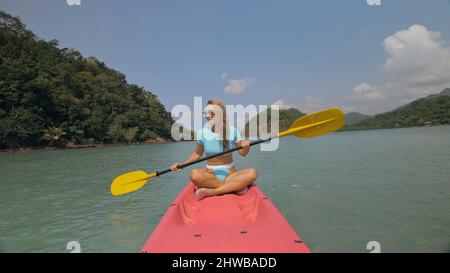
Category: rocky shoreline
[71,146]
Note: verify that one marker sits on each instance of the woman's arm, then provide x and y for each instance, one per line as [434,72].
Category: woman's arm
[194,156]
[245,144]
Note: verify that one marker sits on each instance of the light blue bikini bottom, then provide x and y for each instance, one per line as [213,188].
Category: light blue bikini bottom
[221,171]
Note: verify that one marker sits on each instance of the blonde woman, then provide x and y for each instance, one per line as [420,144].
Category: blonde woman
[220,175]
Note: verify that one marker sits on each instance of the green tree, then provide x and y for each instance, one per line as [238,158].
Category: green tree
[53,135]
[45,90]
[130,135]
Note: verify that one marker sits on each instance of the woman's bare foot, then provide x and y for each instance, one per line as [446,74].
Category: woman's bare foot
[202,193]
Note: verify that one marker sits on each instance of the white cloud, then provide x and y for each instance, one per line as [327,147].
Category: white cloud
[353,108]
[418,58]
[223,75]
[312,104]
[236,86]
[365,91]
[280,103]
[418,65]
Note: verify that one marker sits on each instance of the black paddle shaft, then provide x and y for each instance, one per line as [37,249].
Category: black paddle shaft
[158,173]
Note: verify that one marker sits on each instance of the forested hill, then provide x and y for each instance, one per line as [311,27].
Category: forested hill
[433,110]
[286,118]
[354,117]
[56,97]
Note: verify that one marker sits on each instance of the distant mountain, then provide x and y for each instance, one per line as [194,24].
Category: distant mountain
[286,117]
[354,117]
[445,92]
[431,110]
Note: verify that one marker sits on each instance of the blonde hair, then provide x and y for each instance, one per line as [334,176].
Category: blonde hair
[219,103]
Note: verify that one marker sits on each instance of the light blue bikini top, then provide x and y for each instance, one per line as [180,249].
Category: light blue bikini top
[211,142]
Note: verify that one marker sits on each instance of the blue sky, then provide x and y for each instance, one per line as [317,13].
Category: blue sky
[307,54]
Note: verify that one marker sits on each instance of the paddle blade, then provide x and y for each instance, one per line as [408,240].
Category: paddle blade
[318,124]
[130,182]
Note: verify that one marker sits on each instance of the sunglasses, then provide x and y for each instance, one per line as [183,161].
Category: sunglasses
[208,114]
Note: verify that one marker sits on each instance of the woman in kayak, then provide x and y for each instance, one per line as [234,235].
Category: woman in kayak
[220,175]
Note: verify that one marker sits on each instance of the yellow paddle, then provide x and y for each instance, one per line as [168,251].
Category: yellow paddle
[308,126]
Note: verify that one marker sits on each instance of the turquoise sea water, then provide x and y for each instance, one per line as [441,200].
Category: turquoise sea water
[339,192]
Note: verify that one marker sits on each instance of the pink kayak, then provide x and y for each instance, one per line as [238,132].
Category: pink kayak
[230,223]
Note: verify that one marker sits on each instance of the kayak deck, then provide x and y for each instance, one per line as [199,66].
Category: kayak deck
[230,223]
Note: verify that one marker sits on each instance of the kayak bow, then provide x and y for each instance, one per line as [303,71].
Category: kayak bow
[248,223]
